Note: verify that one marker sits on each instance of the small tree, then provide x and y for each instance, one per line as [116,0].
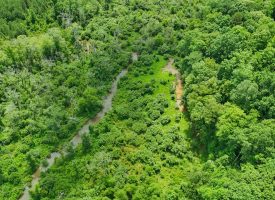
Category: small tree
[2,178]
[86,143]
[31,162]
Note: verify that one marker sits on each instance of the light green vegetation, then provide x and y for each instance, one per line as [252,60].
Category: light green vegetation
[140,150]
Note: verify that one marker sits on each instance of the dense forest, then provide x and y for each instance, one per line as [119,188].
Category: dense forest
[59,58]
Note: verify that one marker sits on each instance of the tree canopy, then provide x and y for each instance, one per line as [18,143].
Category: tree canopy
[58,59]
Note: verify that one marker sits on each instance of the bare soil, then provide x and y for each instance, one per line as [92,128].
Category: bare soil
[179,88]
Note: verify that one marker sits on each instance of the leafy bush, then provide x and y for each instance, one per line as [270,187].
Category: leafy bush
[155,114]
[165,120]
[139,127]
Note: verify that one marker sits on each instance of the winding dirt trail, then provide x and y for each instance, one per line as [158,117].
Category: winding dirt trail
[178,86]
[77,139]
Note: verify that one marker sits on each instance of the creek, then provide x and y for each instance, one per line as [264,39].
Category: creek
[77,139]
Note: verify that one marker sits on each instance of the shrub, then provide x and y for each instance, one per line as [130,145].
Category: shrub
[154,130]
[136,74]
[129,123]
[178,118]
[153,81]
[121,194]
[173,97]
[146,60]
[166,104]
[148,90]
[155,114]
[172,89]
[122,112]
[45,163]
[86,143]
[165,120]
[139,127]
[148,122]
[163,82]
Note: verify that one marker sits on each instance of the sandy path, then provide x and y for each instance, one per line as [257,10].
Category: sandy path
[179,89]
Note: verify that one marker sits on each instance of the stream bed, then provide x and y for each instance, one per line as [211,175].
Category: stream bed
[76,140]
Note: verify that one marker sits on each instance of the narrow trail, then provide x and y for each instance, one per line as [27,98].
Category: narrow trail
[76,140]
[178,86]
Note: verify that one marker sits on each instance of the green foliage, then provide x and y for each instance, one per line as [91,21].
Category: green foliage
[139,127]
[165,120]
[221,62]
[129,159]
[86,143]
[155,114]
[244,136]
[21,17]
[58,59]
[89,104]
[2,178]
[51,81]
[217,182]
